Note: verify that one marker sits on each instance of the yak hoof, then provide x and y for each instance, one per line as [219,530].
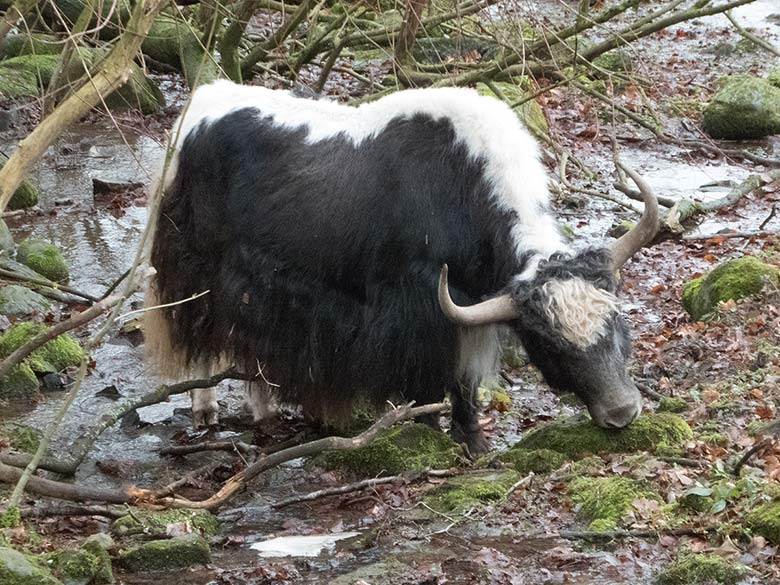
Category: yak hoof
[204,418]
[475,440]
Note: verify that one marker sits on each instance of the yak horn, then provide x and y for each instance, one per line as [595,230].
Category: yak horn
[644,231]
[493,310]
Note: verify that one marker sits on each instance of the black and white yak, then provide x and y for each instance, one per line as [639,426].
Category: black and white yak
[320,231]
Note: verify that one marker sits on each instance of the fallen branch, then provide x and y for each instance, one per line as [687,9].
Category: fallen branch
[762,234]
[751,37]
[48,511]
[48,283]
[241,479]
[749,453]
[359,485]
[81,447]
[47,335]
[228,445]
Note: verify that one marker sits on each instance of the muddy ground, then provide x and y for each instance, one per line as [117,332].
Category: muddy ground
[726,369]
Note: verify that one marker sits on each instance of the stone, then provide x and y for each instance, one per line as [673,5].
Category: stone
[746,107]
[734,279]
[18,569]
[20,382]
[765,520]
[575,437]
[164,555]
[201,521]
[44,258]
[537,460]
[26,76]
[6,240]
[25,196]
[29,44]
[20,301]
[603,501]
[88,565]
[61,352]
[459,493]
[702,569]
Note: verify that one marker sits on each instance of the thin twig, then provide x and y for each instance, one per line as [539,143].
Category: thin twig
[48,283]
[749,453]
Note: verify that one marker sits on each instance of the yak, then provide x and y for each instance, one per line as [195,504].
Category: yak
[348,254]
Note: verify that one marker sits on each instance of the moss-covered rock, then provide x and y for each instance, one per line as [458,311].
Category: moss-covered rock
[734,279]
[176,43]
[98,545]
[26,75]
[25,196]
[538,460]
[459,493]
[700,569]
[44,258]
[603,501]
[29,44]
[20,437]
[20,382]
[382,573]
[746,107]
[61,352]
[6,240]
[20,301]
[409,447]
[765,520]
[574,437]
[80,566]
[774,78]
[201,521]
[530,113]
[672,404]
[18,569]
[163,555]
[615,60]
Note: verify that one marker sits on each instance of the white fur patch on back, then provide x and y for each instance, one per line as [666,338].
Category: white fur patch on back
[579,310]
[488,128]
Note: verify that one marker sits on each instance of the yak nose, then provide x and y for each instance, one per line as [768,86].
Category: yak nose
[622,416]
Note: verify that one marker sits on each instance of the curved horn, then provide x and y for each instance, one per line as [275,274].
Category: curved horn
[493,310]
[644,231]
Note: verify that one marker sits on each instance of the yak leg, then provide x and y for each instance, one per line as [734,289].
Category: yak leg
[260,400]
[205,410]
[465,418]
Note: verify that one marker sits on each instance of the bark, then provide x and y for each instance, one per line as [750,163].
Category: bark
[409,28]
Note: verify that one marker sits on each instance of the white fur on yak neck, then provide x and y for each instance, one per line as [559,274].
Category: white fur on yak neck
[486,126]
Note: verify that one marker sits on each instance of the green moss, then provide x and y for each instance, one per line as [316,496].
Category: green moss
[26,44]
[409,447]
[20,382]
[56,355]
[94,546]
[695,569]
[26,75]
[44,258]
[734,279]
[774,78]
[538,461]
[78,565]
[746,107]
[615,60]
[162,555]
[672,404]
[461,493]
[573,438]
[19,569]
[11,517]
[714,439]
[155,522]
[20,437]
[765,520]
[530,113]
[603,501]
[25,196]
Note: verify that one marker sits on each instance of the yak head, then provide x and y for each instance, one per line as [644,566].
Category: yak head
[568,319]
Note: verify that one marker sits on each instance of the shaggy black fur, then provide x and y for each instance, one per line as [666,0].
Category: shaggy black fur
[322,259]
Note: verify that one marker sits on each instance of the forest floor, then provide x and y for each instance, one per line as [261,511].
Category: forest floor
[726,370]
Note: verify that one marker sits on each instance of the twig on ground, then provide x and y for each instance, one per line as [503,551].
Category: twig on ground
[518,484]
[229,445]
[749,453]
[75,321]
[647,391]
[769,217]
[767,46]
[47,511]
[47,283]
[683,461]
[359,485]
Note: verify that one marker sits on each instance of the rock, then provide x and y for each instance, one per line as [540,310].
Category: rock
[201,521]
[25,196]
[765,520]
[620,228]
[734,279]
[52,382]
[615,60]
[20,382]
[702,569]
[459,493]
[573,437]
[44,258]
[381,573]
[17,569]
[6,241]
[530,113]
[746,107]
[603,501]
[88,565]
[20,301]
[774,78]
[61,352]
[176,43]
[163,555]
[409,447]
[26,76]
[20,437]
[672,404]
[538,460]
[29,44]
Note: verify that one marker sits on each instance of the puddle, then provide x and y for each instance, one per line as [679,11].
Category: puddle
[300,546]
